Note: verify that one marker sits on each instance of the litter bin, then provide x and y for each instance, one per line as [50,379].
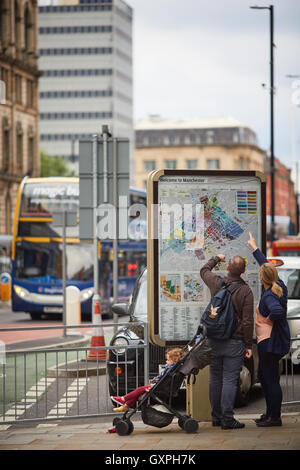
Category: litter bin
[197,397]
[5,287]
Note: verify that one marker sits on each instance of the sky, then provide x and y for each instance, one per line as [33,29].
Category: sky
[200,58]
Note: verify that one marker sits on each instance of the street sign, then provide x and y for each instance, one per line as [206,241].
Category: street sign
[112,180]
[192,216]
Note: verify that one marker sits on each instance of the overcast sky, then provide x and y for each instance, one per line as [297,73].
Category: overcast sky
[201,58]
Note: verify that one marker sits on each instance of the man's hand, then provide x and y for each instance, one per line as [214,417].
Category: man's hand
[252,242]
[248,353]
[221,258]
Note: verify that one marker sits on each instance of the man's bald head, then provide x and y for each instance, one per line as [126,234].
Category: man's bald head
[237,265]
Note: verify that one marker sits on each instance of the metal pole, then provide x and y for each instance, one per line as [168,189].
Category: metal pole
[105,164]
[146,353]
[272,166]
[95,238]
[116,237]
[64,269]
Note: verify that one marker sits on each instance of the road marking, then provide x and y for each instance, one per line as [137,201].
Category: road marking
[68,399]
[31,398]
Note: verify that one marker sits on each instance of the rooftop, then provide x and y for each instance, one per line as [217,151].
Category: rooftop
[156,122]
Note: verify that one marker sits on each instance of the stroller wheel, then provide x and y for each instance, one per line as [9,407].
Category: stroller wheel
[181,421]
[116,420]
[131,427]
[124,427]
[190,425]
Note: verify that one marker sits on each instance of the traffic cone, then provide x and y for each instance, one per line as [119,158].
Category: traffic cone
[98,337]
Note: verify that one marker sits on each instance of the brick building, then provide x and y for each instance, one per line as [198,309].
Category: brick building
[284,198]
[19,74]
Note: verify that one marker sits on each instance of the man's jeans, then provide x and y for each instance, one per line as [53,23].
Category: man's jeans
[226,364]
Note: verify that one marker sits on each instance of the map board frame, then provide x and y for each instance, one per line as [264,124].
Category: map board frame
[155,179]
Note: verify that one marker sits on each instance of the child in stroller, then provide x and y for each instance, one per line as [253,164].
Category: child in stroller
[126,402]
[155,399]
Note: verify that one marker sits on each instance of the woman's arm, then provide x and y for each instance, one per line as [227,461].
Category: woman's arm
[257,253]
[277,311]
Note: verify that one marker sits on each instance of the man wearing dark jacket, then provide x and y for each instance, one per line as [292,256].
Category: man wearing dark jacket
[228,355]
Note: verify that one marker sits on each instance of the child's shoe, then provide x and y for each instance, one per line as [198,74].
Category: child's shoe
[122,408]
[118,400]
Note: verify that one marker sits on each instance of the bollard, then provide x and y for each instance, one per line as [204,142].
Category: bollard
[5,287]
[73,309]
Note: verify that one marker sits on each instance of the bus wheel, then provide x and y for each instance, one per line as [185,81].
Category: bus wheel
[35,316]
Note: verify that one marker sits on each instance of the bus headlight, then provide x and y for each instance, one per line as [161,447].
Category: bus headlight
[86,294]
[119,342]
[21,292]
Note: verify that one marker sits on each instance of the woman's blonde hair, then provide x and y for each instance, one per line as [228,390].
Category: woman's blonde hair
[269,275]
[175,354]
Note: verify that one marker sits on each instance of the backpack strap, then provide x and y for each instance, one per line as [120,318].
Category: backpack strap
[234,285]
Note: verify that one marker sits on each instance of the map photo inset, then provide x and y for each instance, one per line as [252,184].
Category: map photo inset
[170,290]
[194,290]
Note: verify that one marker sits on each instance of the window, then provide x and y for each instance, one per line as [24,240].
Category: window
[18,88]
[29,93]
[191,164]
[171,164]
[8,215]
[210,137]
[149,165]
[19,137]
[4,78]
[28,31]
[213,164]
[30,155]
[240,163]
[5,144]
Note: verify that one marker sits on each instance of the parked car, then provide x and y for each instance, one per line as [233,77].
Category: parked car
[289,272]
[126,368]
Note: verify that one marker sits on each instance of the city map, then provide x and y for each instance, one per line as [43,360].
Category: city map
[197,222]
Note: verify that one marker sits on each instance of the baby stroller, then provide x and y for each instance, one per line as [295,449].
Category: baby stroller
[196,357]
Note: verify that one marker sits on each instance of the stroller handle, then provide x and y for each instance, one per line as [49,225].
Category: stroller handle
[202,330]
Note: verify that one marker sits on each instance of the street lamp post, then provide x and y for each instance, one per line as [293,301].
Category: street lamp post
[272,166]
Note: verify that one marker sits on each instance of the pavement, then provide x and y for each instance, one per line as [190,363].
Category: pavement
[94,435]
[145,442]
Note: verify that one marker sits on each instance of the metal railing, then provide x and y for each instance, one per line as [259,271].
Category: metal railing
[39,385]
[290,384]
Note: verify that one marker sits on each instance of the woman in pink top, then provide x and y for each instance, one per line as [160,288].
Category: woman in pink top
[273,336]
[263,326]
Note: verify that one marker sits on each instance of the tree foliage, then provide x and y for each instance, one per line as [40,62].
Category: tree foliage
[53,166]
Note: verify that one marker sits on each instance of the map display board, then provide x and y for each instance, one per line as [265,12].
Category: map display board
[192,217]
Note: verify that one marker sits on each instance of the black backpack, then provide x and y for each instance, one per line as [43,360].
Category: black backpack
[219,316]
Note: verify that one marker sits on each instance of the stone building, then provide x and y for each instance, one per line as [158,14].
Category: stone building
[207,144]
[19,134]
[85,49]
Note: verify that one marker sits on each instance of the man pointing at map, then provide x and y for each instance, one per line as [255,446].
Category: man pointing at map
[228,355]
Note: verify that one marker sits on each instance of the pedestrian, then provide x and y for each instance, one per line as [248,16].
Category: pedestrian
[273,336]
[228,355]
[127,401]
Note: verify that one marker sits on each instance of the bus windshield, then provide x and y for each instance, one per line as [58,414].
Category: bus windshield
[42,262]
[42,199]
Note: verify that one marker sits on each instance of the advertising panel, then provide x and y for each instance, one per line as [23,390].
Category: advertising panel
[192,217]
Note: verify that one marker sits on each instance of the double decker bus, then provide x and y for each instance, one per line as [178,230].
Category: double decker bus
[288,246]
[37,251]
